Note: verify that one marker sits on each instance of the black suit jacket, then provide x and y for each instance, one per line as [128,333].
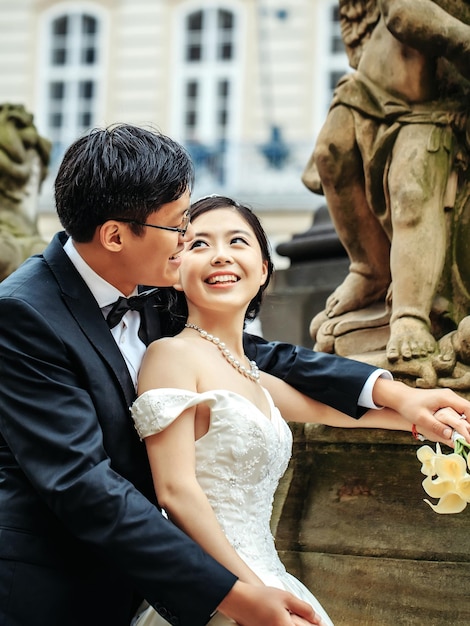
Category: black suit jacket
[80,531]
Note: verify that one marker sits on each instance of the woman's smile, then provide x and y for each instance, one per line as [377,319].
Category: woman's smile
[222,280]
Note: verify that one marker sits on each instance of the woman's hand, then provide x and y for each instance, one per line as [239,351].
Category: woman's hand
[452,421]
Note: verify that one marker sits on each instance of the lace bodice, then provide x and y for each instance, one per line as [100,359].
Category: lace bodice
[239,462]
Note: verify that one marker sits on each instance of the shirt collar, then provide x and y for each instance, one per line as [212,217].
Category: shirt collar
[104,293]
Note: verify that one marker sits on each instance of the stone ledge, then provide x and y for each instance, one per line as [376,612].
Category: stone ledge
[354,528]
[365,591]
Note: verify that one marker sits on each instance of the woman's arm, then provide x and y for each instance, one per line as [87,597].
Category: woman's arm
[338,382]
[296,407]
[172,459]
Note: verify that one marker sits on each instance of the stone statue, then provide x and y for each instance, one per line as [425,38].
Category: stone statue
[24,157]
[392,161]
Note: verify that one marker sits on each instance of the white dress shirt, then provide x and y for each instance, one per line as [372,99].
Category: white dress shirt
[126,332]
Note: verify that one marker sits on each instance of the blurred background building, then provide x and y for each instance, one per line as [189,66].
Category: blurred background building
[244,84]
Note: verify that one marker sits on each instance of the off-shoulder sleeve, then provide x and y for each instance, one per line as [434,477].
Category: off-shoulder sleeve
[156,409]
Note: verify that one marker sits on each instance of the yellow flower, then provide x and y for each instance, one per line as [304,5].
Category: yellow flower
[463,488]
[450,503]
[451,466]
[438,487]
[451,484]
[427,456]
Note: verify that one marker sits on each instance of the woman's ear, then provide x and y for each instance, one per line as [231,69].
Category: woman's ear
[178,287]
[264,273]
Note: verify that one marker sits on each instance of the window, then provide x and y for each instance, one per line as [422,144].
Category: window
[194,32]
[209,52]
[333,61]
[207,86]
[224,49]
[223,92]
[337,53]
[70,74]
[192,88]
[336,43]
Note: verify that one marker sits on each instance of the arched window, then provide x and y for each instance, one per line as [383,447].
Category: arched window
[337,54]
[207,86]
[70,73]
[334,61]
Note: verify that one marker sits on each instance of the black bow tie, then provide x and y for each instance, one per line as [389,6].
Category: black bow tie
[122,305]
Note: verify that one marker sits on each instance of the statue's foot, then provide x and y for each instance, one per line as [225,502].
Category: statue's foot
[409,339]
[316,323]
[355,292]
[462,383]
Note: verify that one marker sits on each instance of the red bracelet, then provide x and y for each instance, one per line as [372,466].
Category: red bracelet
[418,436]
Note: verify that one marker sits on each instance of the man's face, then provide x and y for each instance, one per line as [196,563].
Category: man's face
[153,258]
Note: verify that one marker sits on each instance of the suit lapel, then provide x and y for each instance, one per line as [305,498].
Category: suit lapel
[86,312]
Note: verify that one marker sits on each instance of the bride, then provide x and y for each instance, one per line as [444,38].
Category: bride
[211,421]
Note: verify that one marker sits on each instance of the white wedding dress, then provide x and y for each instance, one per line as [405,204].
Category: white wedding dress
[239,463]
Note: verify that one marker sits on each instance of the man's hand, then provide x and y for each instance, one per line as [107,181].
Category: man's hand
[259,606]
[436,412]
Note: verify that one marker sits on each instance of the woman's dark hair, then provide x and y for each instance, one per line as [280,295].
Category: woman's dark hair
[178,305]
[120,171]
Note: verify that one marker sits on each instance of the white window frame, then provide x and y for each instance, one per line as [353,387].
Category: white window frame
[207,73]
[328,61]
[72,74]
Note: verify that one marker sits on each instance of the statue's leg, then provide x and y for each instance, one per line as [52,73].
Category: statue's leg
[417,184]
[340,167]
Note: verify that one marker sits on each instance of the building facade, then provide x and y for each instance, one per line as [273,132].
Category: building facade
[243,84]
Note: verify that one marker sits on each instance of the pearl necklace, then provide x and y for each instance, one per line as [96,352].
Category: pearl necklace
[252,373]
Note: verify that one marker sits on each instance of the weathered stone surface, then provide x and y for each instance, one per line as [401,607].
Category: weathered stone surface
[391,161]
[366,591]
[24,158]
[354,528]
[297,293]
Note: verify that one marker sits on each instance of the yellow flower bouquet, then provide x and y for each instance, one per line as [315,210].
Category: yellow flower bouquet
[447,477]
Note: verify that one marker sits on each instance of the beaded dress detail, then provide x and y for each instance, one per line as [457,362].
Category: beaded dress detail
[239,463]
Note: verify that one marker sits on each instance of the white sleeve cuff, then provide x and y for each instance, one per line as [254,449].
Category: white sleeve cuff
[365,399]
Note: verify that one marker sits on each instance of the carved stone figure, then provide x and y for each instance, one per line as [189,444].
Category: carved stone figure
[392,160]
[24,157]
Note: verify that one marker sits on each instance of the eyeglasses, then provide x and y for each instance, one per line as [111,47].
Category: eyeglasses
[180,229]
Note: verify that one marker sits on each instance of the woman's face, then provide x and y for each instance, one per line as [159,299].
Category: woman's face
[222,265]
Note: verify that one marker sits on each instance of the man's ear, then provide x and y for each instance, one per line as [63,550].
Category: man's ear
[110,235]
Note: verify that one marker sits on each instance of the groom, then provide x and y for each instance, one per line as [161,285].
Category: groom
[82,540]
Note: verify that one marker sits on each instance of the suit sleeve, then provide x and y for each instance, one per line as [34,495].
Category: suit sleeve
[331,379]
[58,456]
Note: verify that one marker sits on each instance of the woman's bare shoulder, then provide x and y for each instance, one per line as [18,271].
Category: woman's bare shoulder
[178,351]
